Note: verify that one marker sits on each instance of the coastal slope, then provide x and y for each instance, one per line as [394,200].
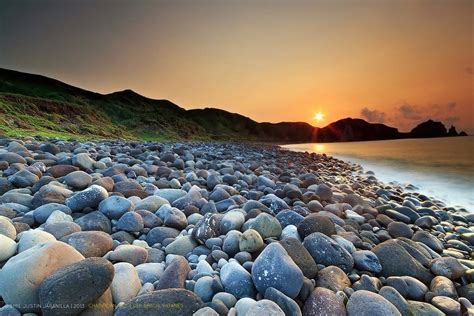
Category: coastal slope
[37,105]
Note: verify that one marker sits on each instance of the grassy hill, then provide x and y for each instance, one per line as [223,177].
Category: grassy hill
[37,105]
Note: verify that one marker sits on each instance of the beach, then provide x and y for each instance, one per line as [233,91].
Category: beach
[202,228]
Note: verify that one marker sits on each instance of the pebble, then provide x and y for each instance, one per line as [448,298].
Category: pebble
[323,301]
[129,253]
[126,283]
[448,267]
[175,274]
[408,287]
[265,308]
[365,303]
[251,241]
[42,213]
[399,229]
[275,268]
[333,278]
[316,223]
[300,256]
[7,228]
[78,180]
[90,197]
[58,293]
[181,246]
[231,221]
[394,297]
[266,225]
[447,305]
[130,222]
[7,248]
[237,281]
[390,249]
[150,272]
[90,243]
[31,238]
[325,250]
[115,207]
[366,260]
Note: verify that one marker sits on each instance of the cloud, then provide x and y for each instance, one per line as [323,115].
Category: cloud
[373,116]
[409,111]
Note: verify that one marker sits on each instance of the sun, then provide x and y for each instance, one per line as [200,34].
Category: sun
[319,117]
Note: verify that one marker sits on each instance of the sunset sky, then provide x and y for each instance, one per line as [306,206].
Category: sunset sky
[393,61]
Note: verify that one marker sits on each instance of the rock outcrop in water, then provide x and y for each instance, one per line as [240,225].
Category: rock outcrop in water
[146,228]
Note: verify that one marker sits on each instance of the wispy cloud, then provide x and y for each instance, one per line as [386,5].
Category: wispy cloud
[373,116]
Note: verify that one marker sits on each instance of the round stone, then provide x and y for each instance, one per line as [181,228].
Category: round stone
[448,266]
[90,197]
[365,303]
[7,228]
[78,180]
[130,222]
[390,249]
[94,221]
[203,288]
[266,225]
[126,283]
[115,206]
[7,248]
[31,238]
[231,221]
[237,281]
[263,308]
[42,213]
[251,241]
[158,234]
[275,268]
[300,256]
[366,260]
[333,278]
[72,288]
[90,243]
[323,301]
[129,253]
[316,223]
[181,246]
[62,229]
[326,251]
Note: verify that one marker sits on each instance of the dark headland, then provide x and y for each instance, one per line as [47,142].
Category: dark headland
[37,105]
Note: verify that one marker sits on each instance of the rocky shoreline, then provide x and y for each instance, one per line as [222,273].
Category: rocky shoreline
[145,228]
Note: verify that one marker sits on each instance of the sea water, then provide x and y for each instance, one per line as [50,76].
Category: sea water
[439,167]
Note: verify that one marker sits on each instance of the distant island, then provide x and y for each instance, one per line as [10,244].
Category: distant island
[36,105]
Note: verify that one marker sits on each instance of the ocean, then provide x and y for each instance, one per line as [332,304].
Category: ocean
[439,167]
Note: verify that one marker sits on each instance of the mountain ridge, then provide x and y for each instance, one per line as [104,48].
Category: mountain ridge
[39,105]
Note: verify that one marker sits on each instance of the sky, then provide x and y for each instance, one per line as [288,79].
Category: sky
[396,62]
